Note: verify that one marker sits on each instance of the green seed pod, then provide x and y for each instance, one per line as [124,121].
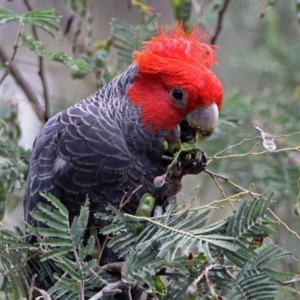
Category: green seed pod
[144,209]
[297,210]
[146,206]
[159,284]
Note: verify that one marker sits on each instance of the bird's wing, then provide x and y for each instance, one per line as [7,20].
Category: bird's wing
[78,152]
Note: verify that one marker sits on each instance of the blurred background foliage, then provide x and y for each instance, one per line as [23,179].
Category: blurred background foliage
[259,65]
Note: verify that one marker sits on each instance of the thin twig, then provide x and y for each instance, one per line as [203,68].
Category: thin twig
[231,182]
[32,284]
[219,22]
[285,135]
[255,153]
[94,274]
[284,224]
[80,283]
[230,198]
[194,195]
[109,289]
[277,136]
[212,175]
[8,62]
[24,84]
[235,145]
[242,189]
[169,228]
[190,204]
[102,249]
[215,174]
[122,204]
[129,294]
[80,290]
[41,71]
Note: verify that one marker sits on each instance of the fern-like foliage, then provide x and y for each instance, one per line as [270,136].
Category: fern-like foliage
[47,20]
[62,242]
[44,18]
[13,159]
[59,258]
[180,240]
[14,270]
[127,37]
[78,66]
[198,260]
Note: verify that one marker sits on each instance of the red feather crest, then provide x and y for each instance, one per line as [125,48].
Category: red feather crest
[188,47]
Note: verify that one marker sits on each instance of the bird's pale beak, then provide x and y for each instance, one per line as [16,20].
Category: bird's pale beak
[204,120]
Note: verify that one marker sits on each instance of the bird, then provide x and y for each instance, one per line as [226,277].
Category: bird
[117,139]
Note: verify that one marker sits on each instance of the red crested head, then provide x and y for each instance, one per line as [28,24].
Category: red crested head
[174,78]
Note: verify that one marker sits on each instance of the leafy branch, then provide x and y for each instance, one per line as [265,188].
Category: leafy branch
[41,71]
[45,19]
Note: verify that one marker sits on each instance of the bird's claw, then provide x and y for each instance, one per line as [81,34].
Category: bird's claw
[189,163]
[193,162]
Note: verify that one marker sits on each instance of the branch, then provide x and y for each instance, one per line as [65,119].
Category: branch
[109,289]
[24,84]
[232,198]
[41,71]
[219,23]
[284,224]
[123,203]
[214,175]
[255,153]
[8,61]
[235,145]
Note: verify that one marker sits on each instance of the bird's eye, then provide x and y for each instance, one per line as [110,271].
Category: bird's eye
[179,97]
[177,94]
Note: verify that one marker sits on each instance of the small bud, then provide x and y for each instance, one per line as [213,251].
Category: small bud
[297,210]
[268,143]
[190,256]
[159,181]
[89,51]
[98,72]
[256,243]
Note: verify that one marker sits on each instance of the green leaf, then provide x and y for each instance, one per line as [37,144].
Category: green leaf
[49,220]
[68,266]
[127,37]
[78,66]
[55,252]
[49,232]
[45,19]
[7,15]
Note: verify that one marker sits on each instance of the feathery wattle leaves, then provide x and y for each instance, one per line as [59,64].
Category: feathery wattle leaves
[177,240]
[127,37]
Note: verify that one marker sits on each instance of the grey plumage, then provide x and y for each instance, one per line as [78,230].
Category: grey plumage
[98,148]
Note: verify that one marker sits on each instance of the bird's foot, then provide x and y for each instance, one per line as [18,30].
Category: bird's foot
[188,162]
[193,162]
